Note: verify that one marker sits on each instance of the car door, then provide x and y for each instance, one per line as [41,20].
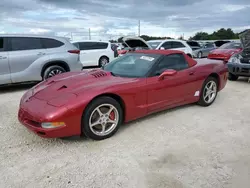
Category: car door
[4,63]
[207,49]
[23,52]
[88,53]
[172,90]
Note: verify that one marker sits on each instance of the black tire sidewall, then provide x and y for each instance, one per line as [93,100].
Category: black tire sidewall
[49,69]
[232,77]
[202,100]
[89,109]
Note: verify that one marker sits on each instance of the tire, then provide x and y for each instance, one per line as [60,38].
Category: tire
[199,54]
[204,101]
[103,61]
[102,128]
[52,71]
[232,77]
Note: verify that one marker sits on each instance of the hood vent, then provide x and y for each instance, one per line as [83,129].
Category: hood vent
[99,74]
[63,87]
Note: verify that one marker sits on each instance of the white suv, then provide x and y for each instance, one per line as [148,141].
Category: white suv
[95,53]
[171,44]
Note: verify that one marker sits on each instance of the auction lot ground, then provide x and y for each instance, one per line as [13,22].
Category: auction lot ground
[190,146]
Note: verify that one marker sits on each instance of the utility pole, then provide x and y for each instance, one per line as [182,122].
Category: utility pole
[89,34]
[139,28]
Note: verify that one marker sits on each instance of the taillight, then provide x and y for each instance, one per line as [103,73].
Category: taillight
[74,51]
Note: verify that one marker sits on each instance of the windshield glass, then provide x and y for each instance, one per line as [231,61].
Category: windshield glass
[133,65]
[154,45]
[231,45]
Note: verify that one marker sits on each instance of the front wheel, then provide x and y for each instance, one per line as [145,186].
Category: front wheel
[102,118]
[209,92]
[232,77]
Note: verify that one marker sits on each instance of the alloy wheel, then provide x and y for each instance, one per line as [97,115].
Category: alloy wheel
[103,119]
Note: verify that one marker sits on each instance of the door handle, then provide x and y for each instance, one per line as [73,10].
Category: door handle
[191,73]
[1,57]
[41,53]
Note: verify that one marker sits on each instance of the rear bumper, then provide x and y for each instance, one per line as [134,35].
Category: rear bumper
[239,69]
[218,57]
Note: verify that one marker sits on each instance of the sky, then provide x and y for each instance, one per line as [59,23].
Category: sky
[110,19]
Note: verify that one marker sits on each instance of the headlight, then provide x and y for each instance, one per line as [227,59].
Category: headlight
[50,125]
[235,59]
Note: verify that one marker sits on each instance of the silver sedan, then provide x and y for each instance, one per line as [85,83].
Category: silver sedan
[204,50]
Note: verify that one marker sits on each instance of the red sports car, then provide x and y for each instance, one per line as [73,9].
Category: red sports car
[225,51]
[97,102]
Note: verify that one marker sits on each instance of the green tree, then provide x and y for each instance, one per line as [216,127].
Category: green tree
[220,34]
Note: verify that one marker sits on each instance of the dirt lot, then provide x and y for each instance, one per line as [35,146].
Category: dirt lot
[190,146]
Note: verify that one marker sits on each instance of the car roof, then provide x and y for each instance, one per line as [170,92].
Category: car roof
[89,41]
[161,52]
[165,40]
[32,35]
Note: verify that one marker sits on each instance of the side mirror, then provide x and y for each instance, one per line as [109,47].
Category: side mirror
[169,72]
[162,48]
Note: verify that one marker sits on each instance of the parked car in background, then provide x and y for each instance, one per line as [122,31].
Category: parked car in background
[95,53]
[132,43]
[171,44]
[95,103]
[204,50]
[25,58]
[225,51]
[193,44]
[219,43]
[239,63]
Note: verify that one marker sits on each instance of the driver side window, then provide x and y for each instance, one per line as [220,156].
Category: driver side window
[173,61]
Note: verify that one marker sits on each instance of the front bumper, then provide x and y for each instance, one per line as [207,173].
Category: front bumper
[31,117]
[239,69]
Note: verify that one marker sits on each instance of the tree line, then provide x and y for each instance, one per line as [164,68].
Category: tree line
[220,34]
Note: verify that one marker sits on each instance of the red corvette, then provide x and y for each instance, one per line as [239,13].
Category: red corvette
[97,102]
[225,51]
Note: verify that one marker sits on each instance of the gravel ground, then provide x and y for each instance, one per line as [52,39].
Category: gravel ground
[186,147]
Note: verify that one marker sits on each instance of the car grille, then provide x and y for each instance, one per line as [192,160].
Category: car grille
[241,70]
[245,60]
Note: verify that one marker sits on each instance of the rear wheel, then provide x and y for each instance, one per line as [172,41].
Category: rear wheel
[232,77]
[103,61]
[52,71]
[199,54]
[209,92]
[102,118]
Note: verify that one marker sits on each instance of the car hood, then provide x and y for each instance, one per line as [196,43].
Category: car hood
[225,51]
[135,42]
[72,84]
[245,39]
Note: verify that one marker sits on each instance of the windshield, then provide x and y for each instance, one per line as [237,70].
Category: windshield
[231,45]
[133,65]
[154,45]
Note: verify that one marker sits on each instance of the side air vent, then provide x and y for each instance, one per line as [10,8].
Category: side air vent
[99,74]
